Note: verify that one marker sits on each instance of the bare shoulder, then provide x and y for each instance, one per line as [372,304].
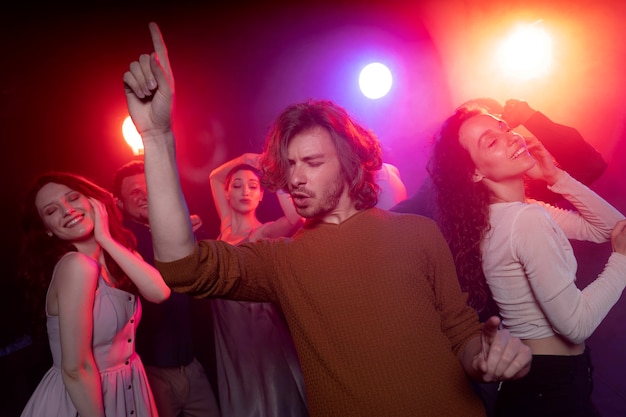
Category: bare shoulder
[75,266]
[74,280]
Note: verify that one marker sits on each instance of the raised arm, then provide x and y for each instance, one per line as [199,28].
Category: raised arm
[217,179]
[146,277]
[595,218]
[571,151]
[149,88]
[284,226]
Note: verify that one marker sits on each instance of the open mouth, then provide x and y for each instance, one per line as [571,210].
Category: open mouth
[74,221]
[518,153]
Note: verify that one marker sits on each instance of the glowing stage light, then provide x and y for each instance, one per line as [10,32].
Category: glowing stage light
[131,136]
[527,53]
[375,80]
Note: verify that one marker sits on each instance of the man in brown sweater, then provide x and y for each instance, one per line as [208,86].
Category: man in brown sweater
[371,297]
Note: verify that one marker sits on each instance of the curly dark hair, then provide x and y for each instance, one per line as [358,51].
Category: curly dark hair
[39,252]
[462,207]
[358,149]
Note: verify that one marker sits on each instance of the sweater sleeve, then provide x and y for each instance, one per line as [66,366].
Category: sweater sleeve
[459,321]
[218,269]
[544,251]
[594,218]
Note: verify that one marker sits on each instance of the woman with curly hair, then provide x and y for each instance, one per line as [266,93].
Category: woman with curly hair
[84,277]
[517,250]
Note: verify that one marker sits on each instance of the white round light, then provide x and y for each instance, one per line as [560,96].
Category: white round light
[375,80]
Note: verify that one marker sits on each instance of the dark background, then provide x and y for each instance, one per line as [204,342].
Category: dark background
[237,65]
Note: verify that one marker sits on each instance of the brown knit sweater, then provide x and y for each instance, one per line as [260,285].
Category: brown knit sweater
[373,304]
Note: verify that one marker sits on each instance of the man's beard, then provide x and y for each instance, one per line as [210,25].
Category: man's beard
[326,204]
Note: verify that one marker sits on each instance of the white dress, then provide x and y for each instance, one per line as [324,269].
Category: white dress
[116,315]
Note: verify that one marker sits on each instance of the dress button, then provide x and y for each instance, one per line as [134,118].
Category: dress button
[130,386]
[127,362]
[130,340]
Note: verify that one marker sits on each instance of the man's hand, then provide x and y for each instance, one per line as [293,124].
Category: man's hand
[502,356]
[516,112]
[149,88]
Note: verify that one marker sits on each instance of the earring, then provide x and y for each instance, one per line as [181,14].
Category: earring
[49,233]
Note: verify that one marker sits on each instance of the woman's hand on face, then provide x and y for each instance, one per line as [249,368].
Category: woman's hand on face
[100,220]
[545,169]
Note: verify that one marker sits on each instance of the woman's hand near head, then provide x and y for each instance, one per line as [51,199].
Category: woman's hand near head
[101,221]
[146,277]
[217,179]
[251,159]
[546,168]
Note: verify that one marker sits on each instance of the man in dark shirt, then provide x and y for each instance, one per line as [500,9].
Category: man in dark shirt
[165,335]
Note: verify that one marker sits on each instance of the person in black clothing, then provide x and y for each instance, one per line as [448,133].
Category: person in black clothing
[165,339]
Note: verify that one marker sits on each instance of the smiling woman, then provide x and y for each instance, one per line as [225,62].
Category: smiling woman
[517,251]
[492,145]
[84,277]
[64,212]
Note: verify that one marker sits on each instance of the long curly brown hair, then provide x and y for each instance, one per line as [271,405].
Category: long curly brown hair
[462,207]
[39,252]
[358,149]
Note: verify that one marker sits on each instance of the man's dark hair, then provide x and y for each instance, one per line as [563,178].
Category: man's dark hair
[127,170]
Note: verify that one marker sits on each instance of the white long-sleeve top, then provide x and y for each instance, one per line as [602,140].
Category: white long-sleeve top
[530,265]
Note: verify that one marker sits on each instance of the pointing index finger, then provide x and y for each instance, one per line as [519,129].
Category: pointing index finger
[160,48]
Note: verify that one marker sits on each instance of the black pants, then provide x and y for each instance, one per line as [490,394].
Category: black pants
[555,386]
